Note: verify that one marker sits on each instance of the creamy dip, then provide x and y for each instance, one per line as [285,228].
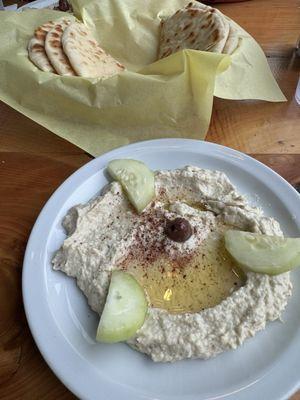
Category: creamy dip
[200,303]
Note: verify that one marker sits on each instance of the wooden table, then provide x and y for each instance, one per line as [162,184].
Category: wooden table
[34,162]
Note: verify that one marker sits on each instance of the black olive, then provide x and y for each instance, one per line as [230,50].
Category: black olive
[178,229]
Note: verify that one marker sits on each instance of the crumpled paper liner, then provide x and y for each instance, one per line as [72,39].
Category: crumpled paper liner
[167,98]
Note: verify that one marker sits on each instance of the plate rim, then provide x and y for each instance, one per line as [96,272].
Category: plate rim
[172,143]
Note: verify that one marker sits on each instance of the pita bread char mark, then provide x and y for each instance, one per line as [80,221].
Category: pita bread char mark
[36,48]
[232,41]
[54,49]
[86,56]
[194,26]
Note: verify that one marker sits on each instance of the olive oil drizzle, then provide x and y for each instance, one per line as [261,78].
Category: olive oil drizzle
[190,284]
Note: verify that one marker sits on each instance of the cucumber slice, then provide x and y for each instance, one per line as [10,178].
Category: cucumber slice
[124,311]
[264,254]
[136,179]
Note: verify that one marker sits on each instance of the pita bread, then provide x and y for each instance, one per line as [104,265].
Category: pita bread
[195,26]
[54,49]
[218,48]
[36,47]
[201,6]
[232,41]
[87,58]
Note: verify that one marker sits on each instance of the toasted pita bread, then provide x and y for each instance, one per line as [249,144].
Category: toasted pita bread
[54,49]
[195,26]
[232,40]
[36,47]
[219,46]
[87,58]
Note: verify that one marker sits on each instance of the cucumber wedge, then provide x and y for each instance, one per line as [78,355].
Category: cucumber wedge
[264,254]
[136,179]
[124,311]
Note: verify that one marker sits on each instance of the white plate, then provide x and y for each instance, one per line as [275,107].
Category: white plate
[39,4]
[266,367]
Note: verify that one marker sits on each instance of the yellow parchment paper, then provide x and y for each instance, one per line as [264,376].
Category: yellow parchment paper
[168,98]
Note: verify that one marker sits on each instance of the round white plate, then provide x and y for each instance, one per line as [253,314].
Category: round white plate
[38,4]
[265,367]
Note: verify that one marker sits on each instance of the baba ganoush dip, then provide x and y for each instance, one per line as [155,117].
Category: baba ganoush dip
[200,302]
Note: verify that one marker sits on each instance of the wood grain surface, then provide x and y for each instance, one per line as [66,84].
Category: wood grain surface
[253,126]
[34,162]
